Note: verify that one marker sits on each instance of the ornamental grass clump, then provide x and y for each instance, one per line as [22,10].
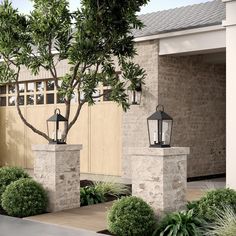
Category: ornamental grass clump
[24,197]
[9,175]
[109,186]
[214,201]
[131,216]
[224,223]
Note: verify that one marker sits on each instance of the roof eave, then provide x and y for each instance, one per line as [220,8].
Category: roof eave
[169,34]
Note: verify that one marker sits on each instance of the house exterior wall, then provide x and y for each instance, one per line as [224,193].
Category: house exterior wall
[134,123]
[193,93]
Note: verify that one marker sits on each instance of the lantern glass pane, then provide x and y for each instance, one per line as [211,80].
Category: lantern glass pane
[56,133]
[134,97]
[153,131]
[166,131]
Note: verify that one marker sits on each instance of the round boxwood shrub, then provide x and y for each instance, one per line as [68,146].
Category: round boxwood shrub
[213,202]
[131,216]
[24,197]
[9,175]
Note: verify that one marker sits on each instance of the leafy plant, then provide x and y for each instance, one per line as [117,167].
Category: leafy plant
[213,201]
[183,223]
[24,197]
[110,187]
[224,223]
[89,195]
[131,216]
[90,40]
[9,175]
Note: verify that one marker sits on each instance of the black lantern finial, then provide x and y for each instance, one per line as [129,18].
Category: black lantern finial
[54,127]
[159,128]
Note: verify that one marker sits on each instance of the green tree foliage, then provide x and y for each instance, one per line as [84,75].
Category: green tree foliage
[91,39]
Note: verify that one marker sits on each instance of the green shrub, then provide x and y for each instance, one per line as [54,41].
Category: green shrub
[9,175]
[131,216]
[110,187]
[89,195]
[24,197]
[214,200]
[183,223]
[224,223]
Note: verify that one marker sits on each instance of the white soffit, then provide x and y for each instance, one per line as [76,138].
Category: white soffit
[208,41]
[192,41]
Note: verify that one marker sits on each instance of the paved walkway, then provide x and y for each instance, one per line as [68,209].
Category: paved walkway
[94,217]
[89,217]
[10,226]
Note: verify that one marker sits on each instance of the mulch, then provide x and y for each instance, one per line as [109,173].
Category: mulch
[105,232]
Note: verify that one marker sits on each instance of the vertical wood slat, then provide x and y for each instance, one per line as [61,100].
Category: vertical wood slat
[98,129]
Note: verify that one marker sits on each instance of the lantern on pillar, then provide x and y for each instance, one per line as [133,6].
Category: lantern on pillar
[159,128]
[55,126]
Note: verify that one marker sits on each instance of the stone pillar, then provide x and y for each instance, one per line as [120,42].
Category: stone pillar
[57,168]
[159,177]
[230,25]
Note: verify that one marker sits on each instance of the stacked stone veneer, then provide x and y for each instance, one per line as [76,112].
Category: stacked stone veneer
[57,168]
[159,176]
[193,93]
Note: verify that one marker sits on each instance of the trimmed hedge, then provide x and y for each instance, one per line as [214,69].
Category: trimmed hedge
[24,197]
[131,216]
[9,175]
[214,201]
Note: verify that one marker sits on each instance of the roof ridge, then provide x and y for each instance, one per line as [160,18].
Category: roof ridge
[175,8]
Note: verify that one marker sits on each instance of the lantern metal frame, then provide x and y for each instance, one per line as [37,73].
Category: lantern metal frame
[56,118]
[159,116]
[133,95]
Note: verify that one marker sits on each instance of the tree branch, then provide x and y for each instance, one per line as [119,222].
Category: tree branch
[20,112]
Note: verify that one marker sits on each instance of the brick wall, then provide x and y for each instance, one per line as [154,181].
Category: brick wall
[193,93]
[134,125]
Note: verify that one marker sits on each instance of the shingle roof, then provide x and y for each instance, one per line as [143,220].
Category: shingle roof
[193,16]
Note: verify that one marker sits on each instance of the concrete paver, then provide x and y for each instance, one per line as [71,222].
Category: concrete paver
[10,226]
[93,217]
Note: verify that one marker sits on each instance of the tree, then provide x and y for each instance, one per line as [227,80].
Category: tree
[90,39]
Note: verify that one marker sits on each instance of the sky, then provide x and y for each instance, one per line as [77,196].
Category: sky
[154,5]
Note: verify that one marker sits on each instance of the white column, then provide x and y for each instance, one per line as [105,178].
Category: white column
[230,24]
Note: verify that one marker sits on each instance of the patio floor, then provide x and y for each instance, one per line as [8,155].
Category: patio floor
[93,217]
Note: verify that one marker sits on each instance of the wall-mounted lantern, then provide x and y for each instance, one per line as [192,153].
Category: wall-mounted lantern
[135,94]
[55,127]
[159,128]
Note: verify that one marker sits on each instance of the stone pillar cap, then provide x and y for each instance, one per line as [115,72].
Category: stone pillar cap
[57,147]
[172,151]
